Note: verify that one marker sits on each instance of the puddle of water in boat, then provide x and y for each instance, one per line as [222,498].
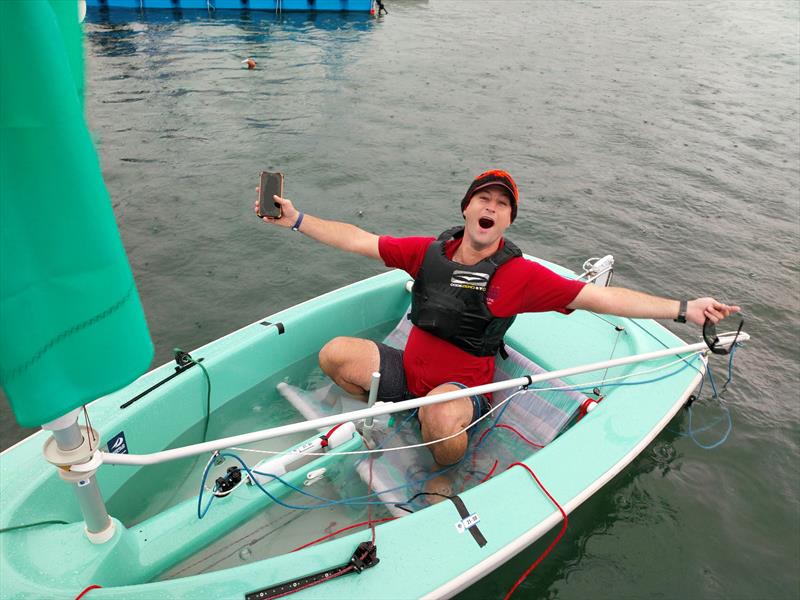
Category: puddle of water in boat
[156,488]
[257,408]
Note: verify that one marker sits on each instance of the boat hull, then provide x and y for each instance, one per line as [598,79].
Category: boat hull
[421,555]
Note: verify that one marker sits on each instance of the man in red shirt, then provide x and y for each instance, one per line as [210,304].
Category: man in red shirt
[468,286]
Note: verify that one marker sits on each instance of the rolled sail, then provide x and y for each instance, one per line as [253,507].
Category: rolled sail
[72,327]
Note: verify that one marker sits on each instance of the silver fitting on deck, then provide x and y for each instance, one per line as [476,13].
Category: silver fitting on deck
[598,270]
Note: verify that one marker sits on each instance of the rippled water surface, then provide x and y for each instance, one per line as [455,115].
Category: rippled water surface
[665,133]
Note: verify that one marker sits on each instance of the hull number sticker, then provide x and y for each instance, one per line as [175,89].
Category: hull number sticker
[467,523]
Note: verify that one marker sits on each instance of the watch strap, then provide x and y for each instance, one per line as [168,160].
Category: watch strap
[681,318]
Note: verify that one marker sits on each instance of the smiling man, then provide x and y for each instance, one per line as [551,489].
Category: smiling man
[469,284]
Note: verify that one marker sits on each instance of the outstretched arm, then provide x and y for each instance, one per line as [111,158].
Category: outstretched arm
[629,303]
[333,233]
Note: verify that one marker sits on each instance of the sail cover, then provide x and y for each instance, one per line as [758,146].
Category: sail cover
[72,327]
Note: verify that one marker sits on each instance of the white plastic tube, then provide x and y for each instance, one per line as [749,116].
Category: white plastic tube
[389,408]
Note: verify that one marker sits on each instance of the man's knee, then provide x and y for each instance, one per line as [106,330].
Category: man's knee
[441,421]
[449,451]
[440,417]
[349,362]
[330,354]
[337,353]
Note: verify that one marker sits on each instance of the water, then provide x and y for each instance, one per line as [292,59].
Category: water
[665,133]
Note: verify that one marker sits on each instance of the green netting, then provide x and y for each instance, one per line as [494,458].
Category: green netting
[71,324]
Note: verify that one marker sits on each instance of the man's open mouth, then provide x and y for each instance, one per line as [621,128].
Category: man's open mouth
[486,222]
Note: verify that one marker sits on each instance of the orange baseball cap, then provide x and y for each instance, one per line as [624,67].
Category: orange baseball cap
[494,177]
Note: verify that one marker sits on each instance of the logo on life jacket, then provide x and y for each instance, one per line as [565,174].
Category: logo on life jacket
[469,280]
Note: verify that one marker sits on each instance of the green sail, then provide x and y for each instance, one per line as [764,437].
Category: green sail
[72,327]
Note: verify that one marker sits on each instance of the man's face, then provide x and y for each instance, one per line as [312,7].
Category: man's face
[487,215]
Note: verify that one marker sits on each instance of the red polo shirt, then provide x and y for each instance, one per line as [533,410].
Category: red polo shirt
[518,286]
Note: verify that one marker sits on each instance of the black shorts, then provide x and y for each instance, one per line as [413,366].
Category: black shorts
[392,386]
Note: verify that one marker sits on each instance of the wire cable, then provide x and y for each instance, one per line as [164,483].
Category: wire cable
[37,524]
[208,397]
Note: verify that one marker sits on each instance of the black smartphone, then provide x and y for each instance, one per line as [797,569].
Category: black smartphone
[271,185]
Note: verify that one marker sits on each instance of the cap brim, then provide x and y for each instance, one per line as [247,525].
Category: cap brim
[502,184]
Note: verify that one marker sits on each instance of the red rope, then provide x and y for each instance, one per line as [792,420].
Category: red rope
[510,428]
[552,544]
[343,529]
[88,589]
[491,472]
[481,438]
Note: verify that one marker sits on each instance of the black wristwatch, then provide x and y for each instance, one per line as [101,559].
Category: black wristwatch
[681,318]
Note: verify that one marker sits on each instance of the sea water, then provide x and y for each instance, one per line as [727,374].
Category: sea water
[663,132]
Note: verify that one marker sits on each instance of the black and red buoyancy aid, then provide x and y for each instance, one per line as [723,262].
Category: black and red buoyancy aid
[449,299]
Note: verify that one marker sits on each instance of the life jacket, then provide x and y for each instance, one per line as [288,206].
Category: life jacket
[449,299]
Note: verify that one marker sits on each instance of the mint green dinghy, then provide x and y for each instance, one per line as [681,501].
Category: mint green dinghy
[240,471]
[156,545]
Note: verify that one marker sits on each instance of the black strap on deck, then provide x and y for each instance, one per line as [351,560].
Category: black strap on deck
[460,507]
[279,326]
[464,513]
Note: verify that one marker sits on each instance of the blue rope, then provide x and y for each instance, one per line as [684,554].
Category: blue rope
[357,500]
[201,512]
[711,425]
[325,502]
[719,442]
[716,395]
[714,392]
[730,368]
[493,426]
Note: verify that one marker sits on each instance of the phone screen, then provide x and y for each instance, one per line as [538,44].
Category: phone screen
[271,185]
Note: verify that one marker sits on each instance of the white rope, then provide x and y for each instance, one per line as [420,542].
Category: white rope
[468,427]
[376,450]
